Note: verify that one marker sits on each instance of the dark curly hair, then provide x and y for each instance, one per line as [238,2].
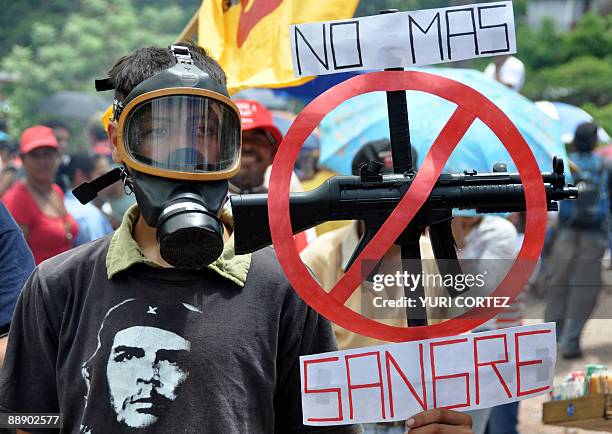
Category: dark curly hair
[143,63]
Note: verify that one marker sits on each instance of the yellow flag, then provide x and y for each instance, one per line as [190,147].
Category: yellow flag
[250,38]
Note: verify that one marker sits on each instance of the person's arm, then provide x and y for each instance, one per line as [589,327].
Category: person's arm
[605,194]
[24,230]
[3,343]
[440,421]
[7,178]
[20,208]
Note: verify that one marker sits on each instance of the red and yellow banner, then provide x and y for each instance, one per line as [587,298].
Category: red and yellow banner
[250,38]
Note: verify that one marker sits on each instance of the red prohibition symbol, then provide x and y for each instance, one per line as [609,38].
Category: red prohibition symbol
[470,105]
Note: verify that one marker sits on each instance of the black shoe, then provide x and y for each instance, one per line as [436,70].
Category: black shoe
[570,355]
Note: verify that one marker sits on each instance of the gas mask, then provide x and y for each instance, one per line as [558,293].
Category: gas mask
[178,134]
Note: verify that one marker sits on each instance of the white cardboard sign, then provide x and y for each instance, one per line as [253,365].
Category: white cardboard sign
[393,382]
[403,39]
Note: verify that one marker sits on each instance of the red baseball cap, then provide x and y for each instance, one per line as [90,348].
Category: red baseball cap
[102,147]
[35,137]
[254,115]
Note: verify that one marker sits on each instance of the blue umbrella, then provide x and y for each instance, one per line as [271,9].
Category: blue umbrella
[308,91]
[283,121]
[570,116]
[364,118]
[267,97]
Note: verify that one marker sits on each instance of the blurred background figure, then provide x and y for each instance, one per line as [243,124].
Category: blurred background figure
[93,224]
[37,203]
[508,70]
[260,140]
[16,264]
[504,418]
[574,270]
[9,164]
[99,139]
[63,134]
[7,149]
[307,163]
[312,173]
[113,200]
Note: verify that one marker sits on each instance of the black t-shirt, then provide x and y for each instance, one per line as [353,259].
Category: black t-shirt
[160,350]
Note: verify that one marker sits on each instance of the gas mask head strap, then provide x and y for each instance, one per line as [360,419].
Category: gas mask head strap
[181,54]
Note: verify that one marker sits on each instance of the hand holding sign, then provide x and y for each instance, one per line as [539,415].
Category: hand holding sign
[439,420]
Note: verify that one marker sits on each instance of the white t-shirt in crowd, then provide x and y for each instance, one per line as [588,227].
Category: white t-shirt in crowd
[512,73]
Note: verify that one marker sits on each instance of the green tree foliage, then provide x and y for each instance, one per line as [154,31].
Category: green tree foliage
[574,67]
[372,7]
[19,17]
[592,37]
[546,46]
[579,81]
[602,115]
[82,49]
[189,6]
[535,46]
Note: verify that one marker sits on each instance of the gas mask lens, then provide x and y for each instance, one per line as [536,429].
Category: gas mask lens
[183,133]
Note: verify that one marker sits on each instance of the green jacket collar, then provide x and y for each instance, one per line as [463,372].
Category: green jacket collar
[124,252]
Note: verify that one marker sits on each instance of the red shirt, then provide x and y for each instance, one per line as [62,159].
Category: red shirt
[46,236]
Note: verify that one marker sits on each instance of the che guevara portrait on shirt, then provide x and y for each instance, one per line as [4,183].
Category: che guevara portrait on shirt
[140,368]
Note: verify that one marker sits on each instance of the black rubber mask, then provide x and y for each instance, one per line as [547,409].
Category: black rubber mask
[186,215]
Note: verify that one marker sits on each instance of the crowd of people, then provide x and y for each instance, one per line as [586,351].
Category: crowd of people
[105,304]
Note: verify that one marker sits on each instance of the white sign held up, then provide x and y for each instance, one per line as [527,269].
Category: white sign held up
[393,382]
[403,39]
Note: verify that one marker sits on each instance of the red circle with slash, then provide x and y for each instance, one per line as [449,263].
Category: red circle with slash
[470,105]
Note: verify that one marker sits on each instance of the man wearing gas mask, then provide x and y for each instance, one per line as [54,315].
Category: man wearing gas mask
[160,327]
